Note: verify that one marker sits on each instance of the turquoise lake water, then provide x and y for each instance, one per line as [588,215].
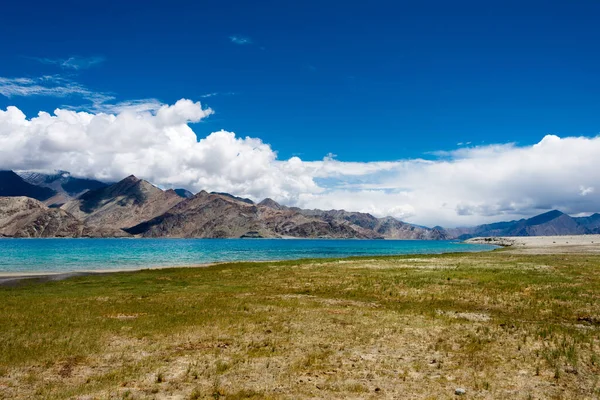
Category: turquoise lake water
[66,255]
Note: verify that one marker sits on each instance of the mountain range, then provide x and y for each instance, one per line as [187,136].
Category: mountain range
[60,205]
[551,223]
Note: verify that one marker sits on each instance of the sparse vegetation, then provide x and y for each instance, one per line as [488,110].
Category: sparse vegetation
[498,324]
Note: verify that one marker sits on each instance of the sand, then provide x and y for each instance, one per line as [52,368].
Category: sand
[545,244]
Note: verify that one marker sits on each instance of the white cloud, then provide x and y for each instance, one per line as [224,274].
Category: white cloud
[237,39]
[213,94]
[584,191]
[155,142]
[61,87]
[74,62]
[51,86]
[137,106]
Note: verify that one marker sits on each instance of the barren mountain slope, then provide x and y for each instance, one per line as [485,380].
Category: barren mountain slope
[26,217]
[218,216]
[123,204]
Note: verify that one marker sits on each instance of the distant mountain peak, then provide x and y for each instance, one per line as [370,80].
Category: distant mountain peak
[553,212]
[11,184]
[242,199]
[186,194]
[125,203]
[131,178]
[544,218]
[270,203]
[65,186]
[143,208]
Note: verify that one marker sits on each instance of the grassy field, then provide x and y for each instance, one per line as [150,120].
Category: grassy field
[496,324]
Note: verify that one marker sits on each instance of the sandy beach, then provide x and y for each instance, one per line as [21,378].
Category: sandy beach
[544,244]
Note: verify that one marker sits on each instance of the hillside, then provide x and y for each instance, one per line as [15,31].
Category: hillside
[65,186]
[148,211]
[592,222]
[27,217]
[123,204]
[12,184]
[387,227]
[221,215]
[551,223]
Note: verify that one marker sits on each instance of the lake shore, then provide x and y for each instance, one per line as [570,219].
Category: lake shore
[544,244]
[515,244]
[52,259]
[16,278]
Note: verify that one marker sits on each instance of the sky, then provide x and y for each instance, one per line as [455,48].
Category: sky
[434,112]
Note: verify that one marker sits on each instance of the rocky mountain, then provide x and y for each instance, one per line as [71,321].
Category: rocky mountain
[12,184]
[27,217]
[242,199]
[65,186]
[592,222]
[123,204]
[550,223]
[387,227]
[186,194]
[134,206]
[215,215]
[272,204]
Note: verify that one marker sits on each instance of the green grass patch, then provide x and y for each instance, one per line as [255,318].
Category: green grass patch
[489,321]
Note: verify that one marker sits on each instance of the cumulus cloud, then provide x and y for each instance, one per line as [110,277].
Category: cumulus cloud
[469,186]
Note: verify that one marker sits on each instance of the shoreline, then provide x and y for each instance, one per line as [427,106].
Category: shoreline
[571,244]
[41,274]
[14,278]
[567,244]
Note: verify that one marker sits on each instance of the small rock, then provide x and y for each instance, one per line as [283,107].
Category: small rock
[377,389]
[571,370]
[460,391]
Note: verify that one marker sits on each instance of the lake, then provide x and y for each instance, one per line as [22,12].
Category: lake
[67,255]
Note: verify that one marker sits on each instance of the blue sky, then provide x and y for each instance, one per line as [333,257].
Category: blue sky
[438,113]
[382,80]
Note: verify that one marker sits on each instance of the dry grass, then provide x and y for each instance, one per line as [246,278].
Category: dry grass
[499,325]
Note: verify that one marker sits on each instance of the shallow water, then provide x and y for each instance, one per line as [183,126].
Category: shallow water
[66,255]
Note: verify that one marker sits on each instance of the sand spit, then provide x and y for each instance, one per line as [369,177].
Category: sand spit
[544,244]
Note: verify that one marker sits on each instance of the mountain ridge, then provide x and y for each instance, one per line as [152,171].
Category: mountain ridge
[26,217]
[65,186]
[122,204]
[218,215]
[136,207]
[551,223]
[12,185]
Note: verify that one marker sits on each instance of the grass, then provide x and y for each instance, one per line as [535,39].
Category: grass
[499,325]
